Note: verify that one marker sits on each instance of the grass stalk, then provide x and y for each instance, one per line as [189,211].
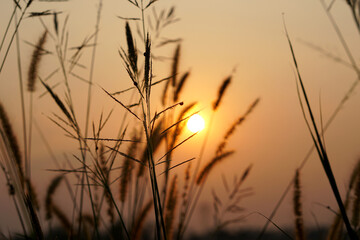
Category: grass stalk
[341,38]
[186,209]
[321,149]
[8,26]
[160,224]
[12,193]
[143,20]
[28,153]
[14,34]
[146,121]
[108,190]
[71,117]
[21,88]
[194,195]
[328,123]
[51,153]
[297,207]
[9,153]
[92,67]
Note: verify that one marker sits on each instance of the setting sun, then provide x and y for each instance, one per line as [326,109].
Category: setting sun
[196,123]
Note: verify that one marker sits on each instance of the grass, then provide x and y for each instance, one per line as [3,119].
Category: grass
[320,147]
[117,183]
[93,176]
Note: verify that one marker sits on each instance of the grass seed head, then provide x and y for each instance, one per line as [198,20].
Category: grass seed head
[175,65]
[50,193]
[12,141]
[132,51]
[299,222]
[35,62]
[171,207]
[180,86]
[221,92]
[208,168]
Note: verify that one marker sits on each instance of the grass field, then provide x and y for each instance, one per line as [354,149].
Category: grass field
[95,101]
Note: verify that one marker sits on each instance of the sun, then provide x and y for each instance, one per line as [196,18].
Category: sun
[195,123]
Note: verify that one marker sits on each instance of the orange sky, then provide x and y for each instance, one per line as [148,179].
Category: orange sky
[219,36]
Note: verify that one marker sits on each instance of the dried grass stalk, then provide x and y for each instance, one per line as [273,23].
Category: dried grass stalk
[35,62]
[355,8]
[89,224]
[175,135]
[221,92]
[164,95]
[180,126]
[175,65]
[61,216]
[60,104]
[187,178]
[33,195]
[207,169]
[51,209]
[171,207]
[180,86]
[356,203]
[173,76]
[147,72]
[127,168]
[233,127]
[299,221]
[12,140]
[132,51]
[106,173]
[336,230]
[140,221]
[156,139]
[34,219]
[49,195]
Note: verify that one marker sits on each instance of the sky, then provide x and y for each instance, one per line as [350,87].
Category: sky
[219,38]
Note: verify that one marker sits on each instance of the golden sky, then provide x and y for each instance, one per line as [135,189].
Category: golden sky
[218,37]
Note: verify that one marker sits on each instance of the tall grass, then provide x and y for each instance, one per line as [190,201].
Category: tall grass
[352,63]
[297,206]
[145,182]
[118,184]
[319,145]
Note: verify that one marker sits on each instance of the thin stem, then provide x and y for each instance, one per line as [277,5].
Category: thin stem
[21,88]
[13,198]
[322,153]
[341,38]
[118,211]
[203,146]
[156,200]
[107,189]
[13,36]
[89,105]
[328,122]
[20,217]
[51,153]
[143,21]
[8,27]
[91,200]
[30,137]
[190,206]
[92,68]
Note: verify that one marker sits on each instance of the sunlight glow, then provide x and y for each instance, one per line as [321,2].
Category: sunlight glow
[195,123]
